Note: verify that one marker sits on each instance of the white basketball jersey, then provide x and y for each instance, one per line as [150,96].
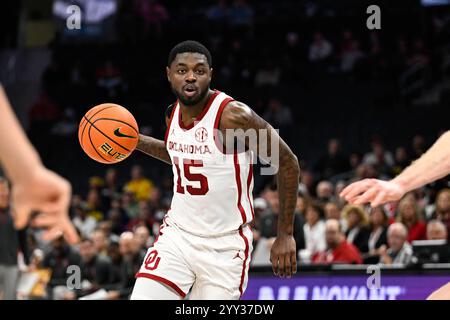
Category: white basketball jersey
[212,190]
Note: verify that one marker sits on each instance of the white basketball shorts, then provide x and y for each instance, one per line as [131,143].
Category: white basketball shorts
[205,267]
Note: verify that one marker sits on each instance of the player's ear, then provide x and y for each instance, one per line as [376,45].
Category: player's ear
[168,73]
[210,73]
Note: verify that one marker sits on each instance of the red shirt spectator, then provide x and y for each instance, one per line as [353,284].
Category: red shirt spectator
[417,231]
[409,214]
[338,249]
[344,253]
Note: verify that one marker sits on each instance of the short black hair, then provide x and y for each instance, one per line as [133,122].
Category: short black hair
[189,46]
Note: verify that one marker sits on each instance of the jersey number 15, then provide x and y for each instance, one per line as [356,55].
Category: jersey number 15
[192,177]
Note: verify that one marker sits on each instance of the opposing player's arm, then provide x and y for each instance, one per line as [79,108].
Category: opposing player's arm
[237,115]
[154,147]
[432,165]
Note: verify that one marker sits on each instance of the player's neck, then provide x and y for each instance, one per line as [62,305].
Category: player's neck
[190,113]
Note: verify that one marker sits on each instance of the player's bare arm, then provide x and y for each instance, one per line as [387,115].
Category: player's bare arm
[237,115]
[432,165]
[154,147]
[34,188]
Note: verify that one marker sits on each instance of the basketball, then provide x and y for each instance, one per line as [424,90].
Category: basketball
[108,133]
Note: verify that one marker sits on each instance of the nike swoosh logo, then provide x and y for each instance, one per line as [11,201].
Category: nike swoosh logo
[122,135]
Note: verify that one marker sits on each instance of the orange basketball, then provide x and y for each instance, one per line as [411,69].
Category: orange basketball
[108,133]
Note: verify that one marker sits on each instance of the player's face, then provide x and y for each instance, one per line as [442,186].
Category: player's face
[189,76]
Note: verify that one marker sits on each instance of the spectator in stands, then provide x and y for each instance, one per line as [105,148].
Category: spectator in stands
[109,78]
[84,223]
[10,243]
[408,213]
[117,216]
[241,14]
[280,116]
[357,227]
[306,185]
[143,237]
[436,230]
[101,242]
[333,211]
[350,52]
[314,231]
[419,146]
[338,250]
[111,189]
[268,75]
[218,12]
[116,263]
[268,225]
[129,204]
[419,55]
[333,162]
[96,271]
[401,160]
[139,185]
[94,205]
[67,125]
[324,191]
[260,207]
[44,113]
[378,234]
[132,259]
[442,211]
[58,259]
[144,218]
[321,49]
[153,15]
[106,226]
[400,251]
[379,157]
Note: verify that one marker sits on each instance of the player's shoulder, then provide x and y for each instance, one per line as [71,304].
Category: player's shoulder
[235,114]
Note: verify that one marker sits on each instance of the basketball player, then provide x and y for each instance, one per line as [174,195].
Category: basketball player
[34,188]
[205,241]
[432,165]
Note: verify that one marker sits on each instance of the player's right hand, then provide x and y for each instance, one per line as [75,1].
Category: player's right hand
[49,194]
[373,191]
[283,256]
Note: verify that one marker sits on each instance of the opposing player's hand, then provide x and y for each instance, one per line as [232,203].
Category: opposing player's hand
[373,191]
[49,194]
[283,256]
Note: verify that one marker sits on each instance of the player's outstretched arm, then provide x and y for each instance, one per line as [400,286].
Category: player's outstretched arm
[432,165]
[34,188]
[237,115]
[153,147]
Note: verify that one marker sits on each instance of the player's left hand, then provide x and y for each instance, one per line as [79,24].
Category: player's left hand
[283,256]
[48,193]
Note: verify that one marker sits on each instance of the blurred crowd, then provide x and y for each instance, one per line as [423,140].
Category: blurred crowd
[119,217]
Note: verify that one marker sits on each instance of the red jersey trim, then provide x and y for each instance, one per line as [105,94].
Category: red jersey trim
[244,264]
[162,280]
[201,115]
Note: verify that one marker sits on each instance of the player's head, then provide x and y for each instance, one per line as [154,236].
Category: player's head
[189,71]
